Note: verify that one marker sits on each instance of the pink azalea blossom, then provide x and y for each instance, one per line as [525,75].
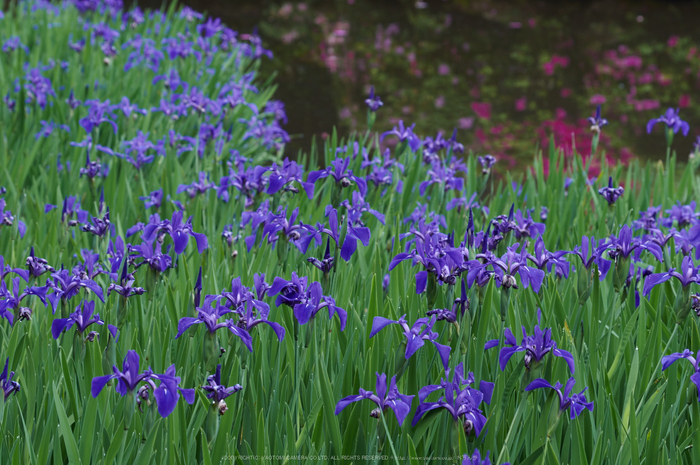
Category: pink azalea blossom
[598,99]
[482,110]
[521,104]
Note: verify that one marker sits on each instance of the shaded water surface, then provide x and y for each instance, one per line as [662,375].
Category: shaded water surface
[507,74]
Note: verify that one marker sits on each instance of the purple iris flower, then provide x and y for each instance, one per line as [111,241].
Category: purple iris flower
[475,459]
[669,360]
[251,311]
[507,266]
[282,178]
[526,227]
[153,199]
[688,275]
[340,173]
[197,187]
[672,121]
[98,113]
[433,250]
[416,335]
[590,253]
[300,235]
[8,219]
[47,128]
[354,234]
[39,87]
[466,203]
[7,269]
[13,43]
[98,226]
[459,398]
[217,392]
[326,264]
[625,244]
[128,108]
[115,253]
[127,380]
[544,258]
[404,134]
[126,287]
[393,399]
[171,80]
[7,385]
[306,299]
[94,169]
[13,299]
[610,193]
[683,215]
[189,14]
[66,285]
[139,146]
[535,347]
[249,181]
[596,121]
[82,318]
[648,219]
[358,207]
[10,103]
[209,313]
[373,102]
[576,404]
[150,251]
[486,162]
[167,393]
[179,230]
[77,46]
[210,27]
[442,173]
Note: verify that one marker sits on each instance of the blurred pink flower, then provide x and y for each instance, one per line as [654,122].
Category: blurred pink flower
[598,99]
[443,69]
[663,79]
[466,123]
[515,25]
[482,110]
[302,7]
[440,102]
[521,103]
[684,101]
[532,22]
[290,37]
[673,41]
[345,113]
[560,113]
[565,92]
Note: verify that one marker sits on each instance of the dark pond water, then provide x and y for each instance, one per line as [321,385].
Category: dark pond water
[508,74]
